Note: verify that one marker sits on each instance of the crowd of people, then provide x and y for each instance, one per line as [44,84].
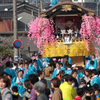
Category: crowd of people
[25,80]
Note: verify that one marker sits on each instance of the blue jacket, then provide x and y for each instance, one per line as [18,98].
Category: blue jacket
[63,68]
[91,67]
[11,72]
[79,75]
[87,64]
[53,2]
[32,69]
[70,60]
[95,80]
[54,73]
[39,64]
[21,89]
[69,71]
[26,74]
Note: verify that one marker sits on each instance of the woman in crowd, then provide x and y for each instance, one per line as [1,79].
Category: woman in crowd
[4,86]
[55,83]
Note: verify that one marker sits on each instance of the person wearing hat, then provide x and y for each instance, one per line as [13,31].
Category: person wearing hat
[18,81]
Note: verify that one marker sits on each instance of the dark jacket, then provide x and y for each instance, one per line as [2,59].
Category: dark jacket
[42,97]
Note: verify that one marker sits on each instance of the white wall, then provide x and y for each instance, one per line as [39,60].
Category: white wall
[79,1]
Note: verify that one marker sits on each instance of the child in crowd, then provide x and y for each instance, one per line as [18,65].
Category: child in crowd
[79,94]
[15,93]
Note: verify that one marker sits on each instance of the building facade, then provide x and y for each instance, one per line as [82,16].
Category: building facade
[25,13]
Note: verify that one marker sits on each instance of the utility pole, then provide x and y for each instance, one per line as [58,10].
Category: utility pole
[36,3]
[41,3]
[97,2]
[82,3]
[15,27]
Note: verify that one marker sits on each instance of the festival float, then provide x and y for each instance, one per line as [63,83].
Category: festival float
[66,29]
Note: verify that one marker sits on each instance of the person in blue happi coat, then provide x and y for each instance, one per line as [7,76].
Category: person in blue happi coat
[46,62]
[53,2]
[33,67]
[87,63]
[21,67]
[95,78]
[67,58]
[9,70]
[69,70]
[62,67]
[79,74]
[75,75]
[95,60]
[26,71]
[18,81]
[56,70]
[92,66]
[39,62]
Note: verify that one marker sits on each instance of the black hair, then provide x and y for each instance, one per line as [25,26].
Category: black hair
[11,65]
[83,81]
[14,89]
[27,83]
[21,63]
[8,64]
[93,55]
[87,98]
[30,61]
[44,81]
[34,61]
[88,90]
[61,64]
[4,73]
[33,78]
[95,87]
[94,71]
[80,91]
[40,73]
[86,58]
[92,62]
[21,71]
[68,78]
[68,65]
[66,56]
[26,63]
[15,64]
